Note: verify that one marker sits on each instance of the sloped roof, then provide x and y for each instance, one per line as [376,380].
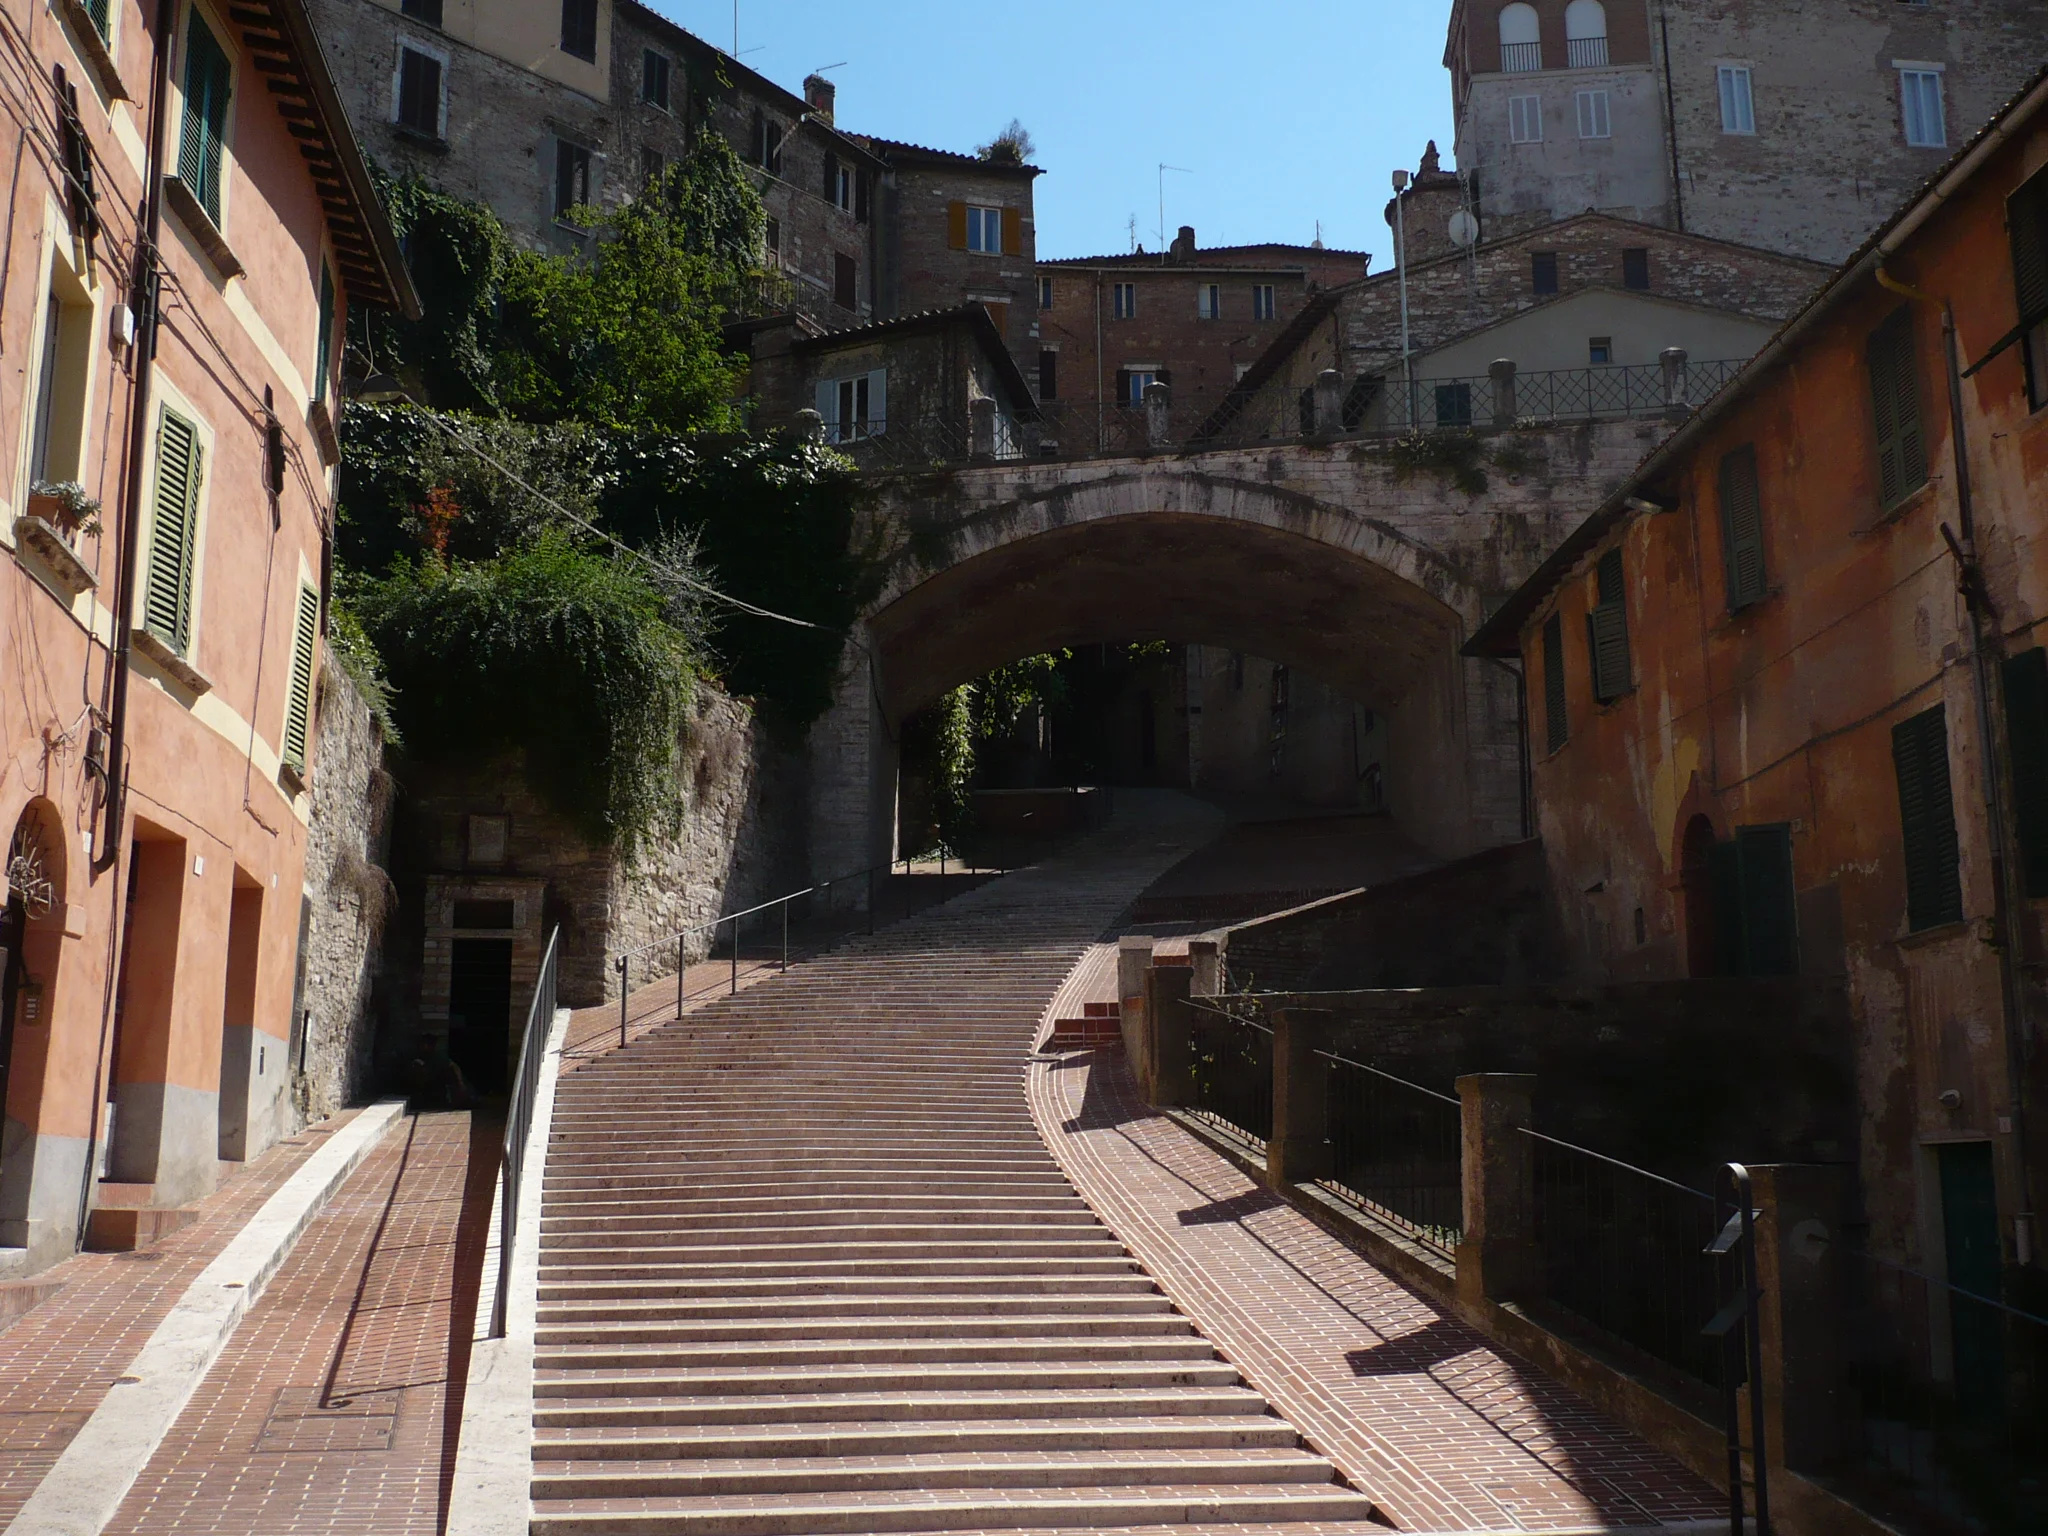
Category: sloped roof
[974,316]
[896,149]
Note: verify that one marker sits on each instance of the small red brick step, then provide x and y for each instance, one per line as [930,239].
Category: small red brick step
[1094,1033]
[123,1221]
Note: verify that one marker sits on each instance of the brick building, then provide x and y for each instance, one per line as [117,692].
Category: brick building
[1792,126]
[1789,703]
[166,520]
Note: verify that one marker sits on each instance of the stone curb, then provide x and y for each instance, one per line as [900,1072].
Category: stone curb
[82,1493]
[492,1492]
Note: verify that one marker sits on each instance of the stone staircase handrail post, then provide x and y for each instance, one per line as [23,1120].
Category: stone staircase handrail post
[1505,406]
[1299,1148]
[1133,959]
[1497,1257]
[1158,415]
[1168,1081]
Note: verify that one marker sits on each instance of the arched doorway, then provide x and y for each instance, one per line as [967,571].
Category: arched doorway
[30,940]
[1696,882]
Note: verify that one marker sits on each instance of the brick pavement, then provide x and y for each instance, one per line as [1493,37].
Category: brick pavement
[332,1409]
[1446,1432]
[58,1359]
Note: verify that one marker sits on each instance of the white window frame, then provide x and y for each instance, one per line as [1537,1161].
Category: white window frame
[1596,120]
[426,51]
[1135,392]
[979,217]
[1208,301]
[868,395]
[1125,297]
[1263,306]
[58,280]
[1525,119]
[1917,75]
[842,195]
[1736,87]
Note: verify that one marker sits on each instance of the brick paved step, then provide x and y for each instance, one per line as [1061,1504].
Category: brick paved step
[744,1181]
[607,1353]
[1025,1375]
[754,1192]
[933,1311]
[847,1514]
[1057,1281]
[558,1271]
[660,1326]
[1088,1468]
[926,1437]
[809,1245]
[677,1216]
[767,1230]
[626,1414]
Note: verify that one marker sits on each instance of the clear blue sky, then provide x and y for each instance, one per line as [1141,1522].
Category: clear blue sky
[1285,112]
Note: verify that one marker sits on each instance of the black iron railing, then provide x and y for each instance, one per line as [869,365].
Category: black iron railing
[1396,1150]
[1230,1068]
[1625,1249]
[533,1046]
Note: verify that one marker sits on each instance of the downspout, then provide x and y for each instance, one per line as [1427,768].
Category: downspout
[2009,899]
[1101,419]
[1671,120]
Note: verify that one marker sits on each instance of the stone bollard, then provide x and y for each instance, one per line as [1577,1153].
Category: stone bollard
[1169,1083]
[1505,410]
[981,428]
[1158,415]
[1799,1273]
[1497,1256]
[1206,956]
[1133,958]
[1672,360]
[1329,403]
[1299,1148]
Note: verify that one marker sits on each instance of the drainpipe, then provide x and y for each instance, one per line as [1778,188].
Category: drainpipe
[1101,417]
[2008,897]
[1671,120]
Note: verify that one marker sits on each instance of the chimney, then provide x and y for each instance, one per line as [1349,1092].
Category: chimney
[1183,244]
[818,95]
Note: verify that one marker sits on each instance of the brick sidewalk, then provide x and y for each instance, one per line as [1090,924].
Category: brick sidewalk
[331,1408]
[58,1359]
[1442,1429]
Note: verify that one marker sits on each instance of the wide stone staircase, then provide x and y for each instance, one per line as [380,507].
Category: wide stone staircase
[806,1267]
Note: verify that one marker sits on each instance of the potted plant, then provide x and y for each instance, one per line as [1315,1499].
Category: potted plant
[65,506]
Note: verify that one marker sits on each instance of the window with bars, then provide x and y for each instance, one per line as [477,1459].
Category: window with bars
[1927,823]
[1557,720]
[419,94]
[1262,301]
[1738,107]
[1895,409]
[1525,119]
[1607,631]
[1742,529]
[202,142]
[2026,222]
[579,29]
[298,702]
[1920,106]
[173,531]
[2026,739]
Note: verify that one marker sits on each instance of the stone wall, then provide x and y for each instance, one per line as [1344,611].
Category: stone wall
[348,900]
[923,269]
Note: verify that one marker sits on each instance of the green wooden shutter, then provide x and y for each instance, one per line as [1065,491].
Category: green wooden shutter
[1895,409]
[1770,923]
[209,79]
[174,532]
[2026,740]
[1934,892]
[298,708]
[1742,529]
[1607,628]
[101,12]
[2026,218]
[1556,720]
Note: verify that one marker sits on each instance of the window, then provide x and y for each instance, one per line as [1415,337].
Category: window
[1521,38]
[1742,529]
[428,11]
[1752,874]
[1599,350]
[323,345]
[1454,405]
[298,698]
[1920,105]
[1592,114]
[202,144]
[1543,271]
[771,236]
[2026,217]
[102,14]
[1556,721]
[572,177]
[64,364]
[1045,293]
[1635,267]
[1208,301]
[1048,374]
[845,282]
[1525,119]
[767,144]
[2026,739]
[652,163]
[1607,631]
[1895,409]
[654,79]
[419,95]
[839,183]
[1126,301]
[855,408]
[984,229]
[1927,823]
[173,532]
[1131,384]
[1585,34]
[1738,111]
[579,29]
[1262,301]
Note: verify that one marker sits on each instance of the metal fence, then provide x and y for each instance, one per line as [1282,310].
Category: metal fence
[1396,1150]
[917,442]
[1230,1069]
[540,1016]
[1625,1249]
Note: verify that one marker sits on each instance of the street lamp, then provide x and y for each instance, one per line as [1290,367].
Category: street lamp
[1401,261]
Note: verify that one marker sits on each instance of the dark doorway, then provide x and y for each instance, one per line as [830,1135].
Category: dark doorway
[1969,1230]
[480,1011]
[13,934]
[1696,879]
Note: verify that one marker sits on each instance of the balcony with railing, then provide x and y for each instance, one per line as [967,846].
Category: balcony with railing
[1586,52]
[1520,58]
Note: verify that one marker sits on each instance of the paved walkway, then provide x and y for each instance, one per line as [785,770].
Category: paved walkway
[58,1359]
[1445,1432]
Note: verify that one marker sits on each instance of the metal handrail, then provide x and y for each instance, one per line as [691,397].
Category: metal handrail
[1346,1061]
[540,1016]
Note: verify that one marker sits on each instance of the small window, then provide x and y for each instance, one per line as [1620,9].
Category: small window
[323,344]
[1635,267]
[1895,409]
[428,11]
[1048,374]
[848,179]
[298,698]
[174,532]
[654,69]
[1607,631]
[1521,38]
[855,408]
[1208,301]
[489,837]
[845,282]
[419,93]
[1454,405]
[767,144]
[1556,720]
[1593,122]
[2026,219]
[1525,119]
[1543,271]
[1132,383]
[1742,529]
[202,142]
[1920,105]
[1599,350]
[1045,293]
[652,163]
[572,177]
[1126,301]
[1927,823]
[771,236]
[1262,301]
[1738,110]
[579,29]
[984,229]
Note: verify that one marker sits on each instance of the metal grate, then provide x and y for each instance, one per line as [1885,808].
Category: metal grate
[1397,1151]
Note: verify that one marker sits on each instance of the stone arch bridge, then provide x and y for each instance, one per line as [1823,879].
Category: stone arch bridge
[1349,560]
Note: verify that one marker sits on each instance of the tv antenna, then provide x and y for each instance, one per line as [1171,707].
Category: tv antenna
[1163,169]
